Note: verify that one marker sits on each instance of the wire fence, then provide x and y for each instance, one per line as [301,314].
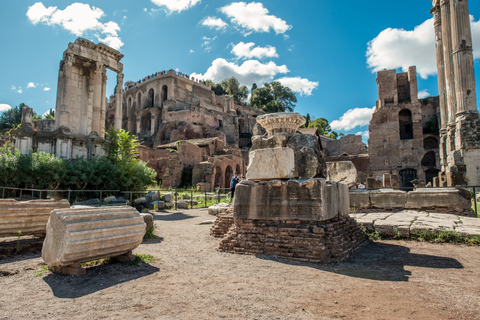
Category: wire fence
[153,199]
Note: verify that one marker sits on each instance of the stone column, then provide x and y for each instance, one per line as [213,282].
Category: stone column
[103,109]
[441,84]
[447,56]
[118,102]
[97,98]
[139,122]
[462,57]
[62,116]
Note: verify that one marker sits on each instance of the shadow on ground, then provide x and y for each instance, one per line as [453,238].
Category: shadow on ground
[380,262]
[171,216]
[20,250]
[97,278]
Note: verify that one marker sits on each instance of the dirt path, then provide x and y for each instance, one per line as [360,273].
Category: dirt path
[192,280]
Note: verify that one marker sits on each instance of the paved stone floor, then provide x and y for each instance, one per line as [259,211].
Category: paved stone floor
[408,222]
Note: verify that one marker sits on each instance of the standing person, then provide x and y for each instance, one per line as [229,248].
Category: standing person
[233,184]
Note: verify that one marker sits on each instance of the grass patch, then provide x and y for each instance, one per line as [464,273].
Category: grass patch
[150,233]
[145,258]
[95,263]
[445,237]
[371,234]
[41,272]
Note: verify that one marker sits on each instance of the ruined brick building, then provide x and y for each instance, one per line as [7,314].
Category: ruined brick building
[169,106]
[403,139]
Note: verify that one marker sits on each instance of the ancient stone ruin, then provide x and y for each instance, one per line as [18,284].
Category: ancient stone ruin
[79,235]
[286,208]
[460,122]
[79,125]
[403,142]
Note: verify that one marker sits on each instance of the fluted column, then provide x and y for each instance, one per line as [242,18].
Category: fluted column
[62,115]
[447,55]
[462,57]
[118,102]
[97,98]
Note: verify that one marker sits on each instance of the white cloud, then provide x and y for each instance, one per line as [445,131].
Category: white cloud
[20,90]
[78,18]
[399,48]
[353,118]
[423,94]
[113,42]
[247,73]
[46,89]
[31,85]
[365,134]
[299,85]
[13,87]
[4,107]
[175,5]
[192,51]
[48,112]
[254,17]
[214,23]
[245,50]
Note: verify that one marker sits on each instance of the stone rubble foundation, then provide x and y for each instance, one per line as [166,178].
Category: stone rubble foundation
[222,224]
[327,241]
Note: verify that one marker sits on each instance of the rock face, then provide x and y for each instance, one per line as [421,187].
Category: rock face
[86,234]
[282,156]
[28,217]
[342,171]
[267,164]
[310,200]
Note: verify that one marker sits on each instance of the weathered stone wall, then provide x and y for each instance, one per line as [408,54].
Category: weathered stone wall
[328,241]
[222,224]
[400,142]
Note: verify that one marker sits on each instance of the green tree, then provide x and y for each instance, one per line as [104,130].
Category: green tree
[273,97]
[50,115]
[232,87]
[254,86]
[12,117]
[322,125]
[307,120]
[123,146]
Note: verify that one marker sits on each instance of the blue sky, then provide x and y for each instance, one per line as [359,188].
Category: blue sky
[327,51]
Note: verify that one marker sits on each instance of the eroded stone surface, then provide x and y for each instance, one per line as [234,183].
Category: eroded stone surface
[311,199]
[268,164]
[342,171]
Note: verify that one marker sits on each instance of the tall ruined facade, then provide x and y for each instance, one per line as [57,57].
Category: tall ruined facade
[460,123]
[79,126]
[403,138]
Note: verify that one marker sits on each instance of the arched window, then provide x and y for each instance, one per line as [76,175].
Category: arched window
[139,100]
[406,124]
[430,143]
[164,94]
[151,98]
[429,159]
[407,175]
[146,124]
[228,176]
[430,174]
[218,177]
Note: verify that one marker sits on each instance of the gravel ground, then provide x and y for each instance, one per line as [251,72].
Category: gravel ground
[192,280]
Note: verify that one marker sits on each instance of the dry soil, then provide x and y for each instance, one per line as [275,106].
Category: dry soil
[192,280]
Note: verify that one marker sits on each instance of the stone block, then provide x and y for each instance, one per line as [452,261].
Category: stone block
[167,197]
[141,200]
[367,221]
[309,162]
[399,222]
[342,171]
[152,196]
[28,217]
[312,200]
[148,219]
[269,164]
[109,199]
[169,205]
[182,204]
[388,199]
[452,199]
[219,208]
[85,234]
[359,198]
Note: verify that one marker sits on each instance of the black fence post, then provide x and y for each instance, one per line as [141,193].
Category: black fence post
[158,201]
[3,193]
[475,201]
[191,198]
[205,199]
[176,196]
[69,196]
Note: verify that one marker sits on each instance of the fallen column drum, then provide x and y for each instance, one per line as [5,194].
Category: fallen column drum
[27,217]
[84,234]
